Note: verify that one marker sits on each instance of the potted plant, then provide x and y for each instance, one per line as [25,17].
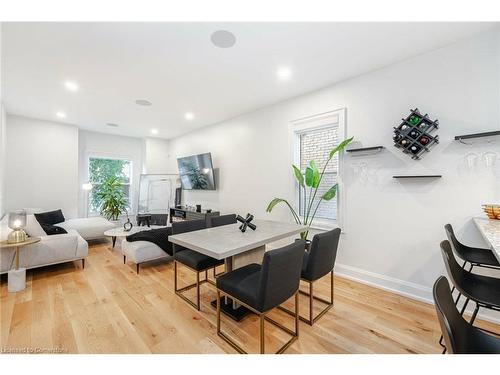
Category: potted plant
[311,179]
[112,198]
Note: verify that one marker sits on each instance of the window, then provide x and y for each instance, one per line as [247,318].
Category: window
[314,138]
[100,169]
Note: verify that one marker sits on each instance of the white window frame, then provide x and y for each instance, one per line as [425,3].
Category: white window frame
[92,155]
[317,122]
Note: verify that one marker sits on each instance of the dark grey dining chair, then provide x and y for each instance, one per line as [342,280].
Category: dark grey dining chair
[193,260]
[318,262]
[460,337]
[261,288]
[217,221]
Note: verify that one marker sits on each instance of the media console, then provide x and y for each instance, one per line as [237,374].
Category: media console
[183,213]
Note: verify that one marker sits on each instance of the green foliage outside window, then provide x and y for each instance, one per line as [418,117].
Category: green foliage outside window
[101,170]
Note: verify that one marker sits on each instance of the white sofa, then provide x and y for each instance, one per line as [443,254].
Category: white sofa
[89,228]
[53,249]
[59,248]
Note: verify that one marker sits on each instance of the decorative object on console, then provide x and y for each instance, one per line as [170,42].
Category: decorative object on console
[312,179]
[414,136]
[143,219]
[246,222]
[17,222]
[198,208]
[492,211]
[127,226]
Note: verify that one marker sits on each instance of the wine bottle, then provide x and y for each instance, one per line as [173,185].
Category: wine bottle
[414,119]
[424,140]
[414,134]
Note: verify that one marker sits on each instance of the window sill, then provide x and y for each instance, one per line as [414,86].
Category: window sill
[322,224]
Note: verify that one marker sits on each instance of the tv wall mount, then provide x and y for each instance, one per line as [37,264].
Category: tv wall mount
[414,136]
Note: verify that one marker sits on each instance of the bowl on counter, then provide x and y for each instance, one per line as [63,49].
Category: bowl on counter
[492,211]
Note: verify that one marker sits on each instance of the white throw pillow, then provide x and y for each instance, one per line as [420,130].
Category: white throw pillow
[33,227]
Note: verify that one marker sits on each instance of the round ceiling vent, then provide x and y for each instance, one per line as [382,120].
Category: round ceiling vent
[143,102]
[223,39]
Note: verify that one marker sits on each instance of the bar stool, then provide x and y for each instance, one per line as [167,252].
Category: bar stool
[460,337]
[318,262]
[483,290]
[262,288]
[193,260]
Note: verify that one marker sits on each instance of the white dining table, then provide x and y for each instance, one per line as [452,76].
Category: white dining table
[236,248]
[490,230]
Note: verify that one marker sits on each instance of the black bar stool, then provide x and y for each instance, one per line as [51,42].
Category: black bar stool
[318,262]
[193,260]
[483,290]
[262,288]
[477,257]
[460,337]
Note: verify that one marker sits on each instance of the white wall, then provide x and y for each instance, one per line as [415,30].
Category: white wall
[113,146]
[155,156]
[392,228]
[3,128]
[41,165]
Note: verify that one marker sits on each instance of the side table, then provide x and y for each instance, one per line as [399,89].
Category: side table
[17,276]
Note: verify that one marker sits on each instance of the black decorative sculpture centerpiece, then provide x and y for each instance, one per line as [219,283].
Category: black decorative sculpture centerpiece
[246,222]
[127,226]
[413,136]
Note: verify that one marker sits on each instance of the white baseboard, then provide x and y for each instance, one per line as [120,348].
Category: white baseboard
[405,288]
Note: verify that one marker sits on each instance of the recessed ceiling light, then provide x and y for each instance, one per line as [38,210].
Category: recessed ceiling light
[71,86]
[284,73]
[61,114]
[223,39]
[189,116]
[143,102]
[154,131]
[112,124]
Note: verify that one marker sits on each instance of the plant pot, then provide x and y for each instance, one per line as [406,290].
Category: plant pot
[307,246]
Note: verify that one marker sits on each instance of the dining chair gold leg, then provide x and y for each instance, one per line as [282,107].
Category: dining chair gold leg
[262,341]
[311,299]
[198,290]
[297,313]
[175,275]
[218,312]
[329,304]
[262,318]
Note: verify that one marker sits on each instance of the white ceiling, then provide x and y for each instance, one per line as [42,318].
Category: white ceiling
[175,66]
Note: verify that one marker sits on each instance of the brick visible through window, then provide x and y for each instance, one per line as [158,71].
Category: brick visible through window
[316,144]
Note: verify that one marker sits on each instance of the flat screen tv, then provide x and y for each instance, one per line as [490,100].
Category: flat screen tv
[196,172]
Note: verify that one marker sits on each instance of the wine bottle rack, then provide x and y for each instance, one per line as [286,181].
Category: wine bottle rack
[414,135]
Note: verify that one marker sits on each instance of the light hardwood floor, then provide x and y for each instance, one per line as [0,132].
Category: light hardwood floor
[107,308]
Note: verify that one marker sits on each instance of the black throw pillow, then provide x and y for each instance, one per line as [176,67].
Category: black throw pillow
[52,229]
[50,218]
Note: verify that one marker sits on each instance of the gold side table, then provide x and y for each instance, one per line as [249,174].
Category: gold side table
[17,276]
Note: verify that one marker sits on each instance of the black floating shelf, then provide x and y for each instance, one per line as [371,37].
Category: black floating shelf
[476,135]
[419,176]
[365,149]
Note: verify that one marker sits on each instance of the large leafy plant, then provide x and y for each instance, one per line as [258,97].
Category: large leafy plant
[311,180]
[112,198]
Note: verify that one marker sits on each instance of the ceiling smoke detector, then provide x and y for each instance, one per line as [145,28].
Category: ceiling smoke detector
[143,102]
[223,39]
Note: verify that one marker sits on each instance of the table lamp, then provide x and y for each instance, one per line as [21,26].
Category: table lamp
[17,221]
